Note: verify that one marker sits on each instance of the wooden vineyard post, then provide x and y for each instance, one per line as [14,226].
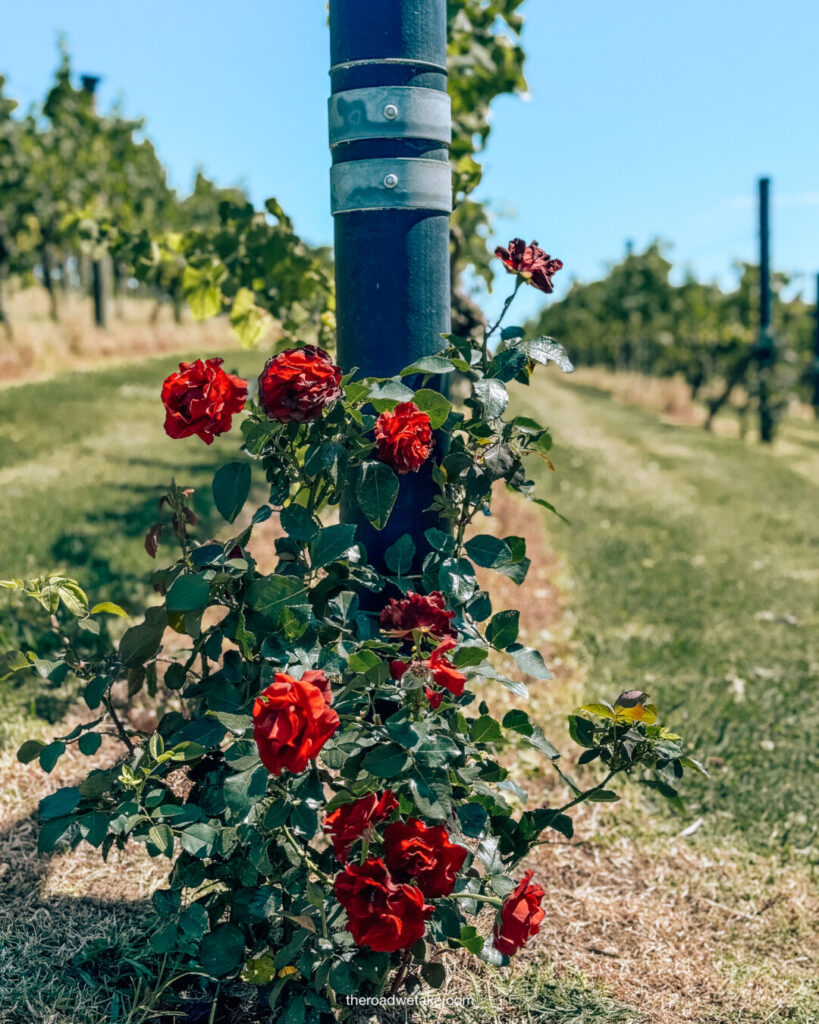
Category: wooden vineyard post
[391,196]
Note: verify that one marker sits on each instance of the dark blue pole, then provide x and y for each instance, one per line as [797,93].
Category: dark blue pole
[816,354]
[391,198]
[766,350]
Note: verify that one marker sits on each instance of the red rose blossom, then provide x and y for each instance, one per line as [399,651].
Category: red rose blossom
[381,913]
[295,386]
[200,398]
[444,673]
[417,611]
[425,854]
[534,265]
[520,917]
[350,821]
[292,720]
[404,437]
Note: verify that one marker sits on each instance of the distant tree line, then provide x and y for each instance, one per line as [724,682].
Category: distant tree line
[636,319]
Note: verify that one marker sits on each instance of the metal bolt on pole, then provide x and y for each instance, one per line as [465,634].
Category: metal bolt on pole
[391,197]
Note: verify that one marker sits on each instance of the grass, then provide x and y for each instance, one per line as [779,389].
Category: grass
[693,570]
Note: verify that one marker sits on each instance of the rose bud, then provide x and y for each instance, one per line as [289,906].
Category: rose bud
[519,918]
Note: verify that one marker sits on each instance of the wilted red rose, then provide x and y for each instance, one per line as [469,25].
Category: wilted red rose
[350,821]
[422,852]
[534,265]
[201,399]
[292,720]
[381,913]
[404,437]
[426,612]
[444,673]
[520,917]
[296,385]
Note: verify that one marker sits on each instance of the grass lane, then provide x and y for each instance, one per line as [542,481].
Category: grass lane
[694,562]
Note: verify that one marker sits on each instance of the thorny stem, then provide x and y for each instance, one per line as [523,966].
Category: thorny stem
[491,330]
[123,735]
[293,842]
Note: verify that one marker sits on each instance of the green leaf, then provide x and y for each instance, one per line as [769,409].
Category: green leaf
[29,751]
[488,551]
[89,743]
[188,593]
[60,803]
[141,642]
[470,939]
[502,630]
[298,523]
[547,350]
[248,321]
[244,789]
[604,796]
[399,555]
[222,950]
[485,730]
[50,755]
[11,662]
[93,692]
[601,710]
[434,405]
[530,662]
[238,724]
[162,838]
[109,608]
[434,972]
[581,730]
[200,285]
[429,364]
[231,486]
[492,397]
[272,594]
[330,544]
[376,491]
[387,761]
[199,839]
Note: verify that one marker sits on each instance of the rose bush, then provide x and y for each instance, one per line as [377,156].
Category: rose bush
[325,776]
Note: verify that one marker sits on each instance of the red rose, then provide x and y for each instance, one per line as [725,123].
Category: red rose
[520,917]
[404,437]
[295,386]
[350,821]
[424,853]
[381,913]
[201,399]
[444,673]
[534,265]
[417,611]
[292,720]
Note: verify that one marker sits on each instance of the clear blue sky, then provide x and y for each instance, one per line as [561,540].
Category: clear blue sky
[645,119]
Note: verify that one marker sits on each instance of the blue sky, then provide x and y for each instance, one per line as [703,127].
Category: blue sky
[646,118]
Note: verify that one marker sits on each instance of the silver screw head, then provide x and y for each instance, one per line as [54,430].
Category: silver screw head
[391,180]
[390,111]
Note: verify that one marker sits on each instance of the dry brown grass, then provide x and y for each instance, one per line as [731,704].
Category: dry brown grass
[40,348]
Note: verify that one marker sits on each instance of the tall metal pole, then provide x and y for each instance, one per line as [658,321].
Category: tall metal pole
[816,355]
[391,195]
[766,353]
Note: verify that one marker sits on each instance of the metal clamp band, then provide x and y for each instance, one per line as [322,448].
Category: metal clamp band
[398,183]
[423,65]
[390,112]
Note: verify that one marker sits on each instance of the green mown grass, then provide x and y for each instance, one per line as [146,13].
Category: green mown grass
[694,567]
